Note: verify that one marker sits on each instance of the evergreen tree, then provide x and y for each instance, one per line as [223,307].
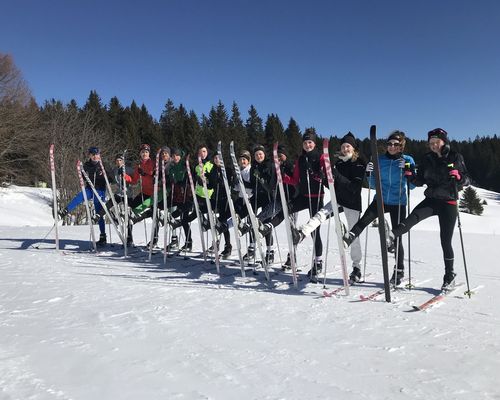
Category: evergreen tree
[192,134]
[253,125]
[273,131]
[293,138]
[237,132]
[218,126]
[116,115]
[470,202]
[148,130]
[94,108]
[167,123]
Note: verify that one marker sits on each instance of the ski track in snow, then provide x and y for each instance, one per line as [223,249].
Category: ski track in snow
[77,325]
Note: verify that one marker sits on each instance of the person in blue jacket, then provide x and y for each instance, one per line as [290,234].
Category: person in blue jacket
[393,167]
[93,169]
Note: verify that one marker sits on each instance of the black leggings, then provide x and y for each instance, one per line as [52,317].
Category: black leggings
[447,214]
[371,213]
[313,204]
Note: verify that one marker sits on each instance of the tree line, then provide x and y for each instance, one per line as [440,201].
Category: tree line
[27,129]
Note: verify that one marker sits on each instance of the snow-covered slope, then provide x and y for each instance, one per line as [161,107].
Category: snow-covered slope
[75,325]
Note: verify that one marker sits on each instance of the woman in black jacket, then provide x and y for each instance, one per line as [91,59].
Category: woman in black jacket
[349,174]
[444,172]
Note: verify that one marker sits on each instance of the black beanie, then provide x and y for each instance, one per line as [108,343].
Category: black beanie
[165,149]
[309,135]
[119,156]
[349,138]
[438,133]
[258,147]
[176,151]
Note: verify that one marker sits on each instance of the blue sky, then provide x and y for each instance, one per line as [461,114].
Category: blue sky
[334,65]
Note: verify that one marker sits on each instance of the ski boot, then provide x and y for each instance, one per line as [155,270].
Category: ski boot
[226,252]
[188,246]
[315,270]
[174,243]
[269,257]
[397,276]
[211,248]
[250,254]
[155,242]
[355,276]
[63,213]
[448,281]
[102,240]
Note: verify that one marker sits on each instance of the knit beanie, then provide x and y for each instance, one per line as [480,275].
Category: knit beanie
[438,133]
[246,154]
[349,138]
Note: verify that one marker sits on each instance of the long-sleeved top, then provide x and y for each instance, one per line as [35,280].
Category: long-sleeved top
[348,180]
[392,178]
[144,172]
[308,174]
[434,172]
[96,176]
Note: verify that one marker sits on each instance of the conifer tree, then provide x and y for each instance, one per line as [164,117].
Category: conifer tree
[470,202]
[218,125]
[237,132]
[293,138]
[273,131]
[192,134]
[253,125]
[94,108]
[167,123]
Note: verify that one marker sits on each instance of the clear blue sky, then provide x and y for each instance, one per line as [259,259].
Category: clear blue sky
[334,65]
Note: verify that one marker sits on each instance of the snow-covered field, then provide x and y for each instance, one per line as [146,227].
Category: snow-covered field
[75,325]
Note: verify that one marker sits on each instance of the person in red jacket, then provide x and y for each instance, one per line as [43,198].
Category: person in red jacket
[143,174]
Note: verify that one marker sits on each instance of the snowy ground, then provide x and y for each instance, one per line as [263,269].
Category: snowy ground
[75,325]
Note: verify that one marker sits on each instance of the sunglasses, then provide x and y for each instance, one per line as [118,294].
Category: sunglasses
[393,144]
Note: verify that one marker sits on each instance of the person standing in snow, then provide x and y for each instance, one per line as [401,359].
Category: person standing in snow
[444,172]
[349,174]
[93,169]
[392,175]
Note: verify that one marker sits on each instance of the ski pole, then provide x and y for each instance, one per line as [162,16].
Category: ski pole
[366,236]
[45,237]
[398,239]
[409,285]
[144,220]
[468,292]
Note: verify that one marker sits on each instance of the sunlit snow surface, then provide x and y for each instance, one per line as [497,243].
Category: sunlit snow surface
[75,325]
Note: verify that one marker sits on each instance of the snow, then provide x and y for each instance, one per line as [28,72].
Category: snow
[76,325]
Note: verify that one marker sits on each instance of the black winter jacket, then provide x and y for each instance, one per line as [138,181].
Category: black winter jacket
[94,171]
[434,172]
[349,176]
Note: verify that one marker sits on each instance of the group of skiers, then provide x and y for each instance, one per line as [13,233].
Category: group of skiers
[442,170]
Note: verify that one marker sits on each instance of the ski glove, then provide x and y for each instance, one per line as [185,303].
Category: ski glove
[141,171]
[369,167]
[455,174]
[402,163]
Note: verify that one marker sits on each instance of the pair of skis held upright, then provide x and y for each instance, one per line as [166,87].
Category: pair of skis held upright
[253,219]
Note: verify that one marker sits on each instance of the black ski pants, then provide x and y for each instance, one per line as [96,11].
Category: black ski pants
[447,215]
[371,213]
